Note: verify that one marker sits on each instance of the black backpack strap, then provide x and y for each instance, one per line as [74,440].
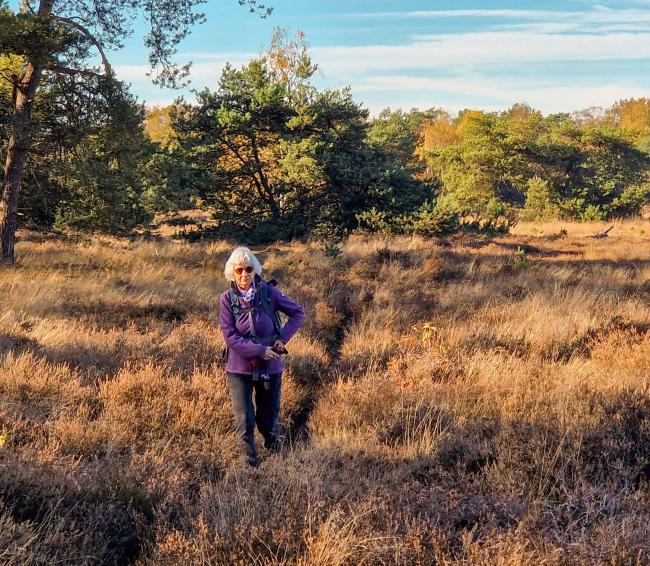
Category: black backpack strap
[234,303]
[235,307]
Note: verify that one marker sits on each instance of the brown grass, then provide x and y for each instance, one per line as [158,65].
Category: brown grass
[514,428]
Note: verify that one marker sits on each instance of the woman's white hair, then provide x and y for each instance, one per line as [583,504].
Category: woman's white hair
[238,257]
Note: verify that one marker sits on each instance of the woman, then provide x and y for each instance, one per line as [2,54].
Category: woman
[256,342]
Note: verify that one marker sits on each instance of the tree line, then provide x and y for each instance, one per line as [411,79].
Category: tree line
[273,157]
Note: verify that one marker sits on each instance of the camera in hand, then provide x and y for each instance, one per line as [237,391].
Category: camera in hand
[280,350]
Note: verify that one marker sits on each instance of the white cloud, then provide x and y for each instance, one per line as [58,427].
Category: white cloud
[502,92]
[598,19]
[160,101]
[596,14]
[204,72]
[539,27]
[131,72]
[439,52]
[234,57]
[455,67]
[481,13]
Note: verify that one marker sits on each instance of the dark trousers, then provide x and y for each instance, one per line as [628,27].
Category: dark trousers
[265,412]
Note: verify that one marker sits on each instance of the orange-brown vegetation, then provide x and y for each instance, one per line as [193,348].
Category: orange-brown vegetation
[467,400]
[158,124]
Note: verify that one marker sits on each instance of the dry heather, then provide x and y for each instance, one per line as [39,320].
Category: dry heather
[454,401]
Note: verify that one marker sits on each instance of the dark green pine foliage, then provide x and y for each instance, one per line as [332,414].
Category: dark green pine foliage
[103,178]
[284,162]
[86,167]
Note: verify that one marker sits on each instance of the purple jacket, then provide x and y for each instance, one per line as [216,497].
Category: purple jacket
[241,350]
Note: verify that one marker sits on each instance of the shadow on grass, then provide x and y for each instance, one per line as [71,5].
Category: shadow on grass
[66,523]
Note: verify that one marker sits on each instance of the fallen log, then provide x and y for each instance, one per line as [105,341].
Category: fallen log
[602,234]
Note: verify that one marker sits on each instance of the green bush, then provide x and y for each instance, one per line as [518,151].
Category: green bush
[540,204]
[434,219]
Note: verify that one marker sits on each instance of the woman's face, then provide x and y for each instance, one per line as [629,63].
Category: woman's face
[244,274]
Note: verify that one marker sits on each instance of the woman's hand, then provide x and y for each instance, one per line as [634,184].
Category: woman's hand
[269,354]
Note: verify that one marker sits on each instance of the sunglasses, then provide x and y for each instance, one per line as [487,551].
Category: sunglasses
[247,269]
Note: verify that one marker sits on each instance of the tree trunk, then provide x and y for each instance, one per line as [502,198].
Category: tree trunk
[19,144]
[275,211]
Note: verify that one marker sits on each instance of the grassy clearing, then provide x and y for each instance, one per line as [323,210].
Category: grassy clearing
[511,426]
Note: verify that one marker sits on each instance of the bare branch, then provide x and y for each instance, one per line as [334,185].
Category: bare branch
[107,66]
[254,6]
[12,79]
[70,71]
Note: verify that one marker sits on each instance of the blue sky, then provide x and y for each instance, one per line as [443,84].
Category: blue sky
[556,56]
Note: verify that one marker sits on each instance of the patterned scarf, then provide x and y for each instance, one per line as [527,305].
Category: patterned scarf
[248,295]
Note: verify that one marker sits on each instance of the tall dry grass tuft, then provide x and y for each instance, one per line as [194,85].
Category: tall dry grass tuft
[468,400]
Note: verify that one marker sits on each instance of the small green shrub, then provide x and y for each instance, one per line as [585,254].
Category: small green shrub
[522,263]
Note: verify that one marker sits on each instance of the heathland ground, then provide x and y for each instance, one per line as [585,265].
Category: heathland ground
[457,400]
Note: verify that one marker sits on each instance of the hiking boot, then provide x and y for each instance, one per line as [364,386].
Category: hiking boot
[254,462]
[273,444]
